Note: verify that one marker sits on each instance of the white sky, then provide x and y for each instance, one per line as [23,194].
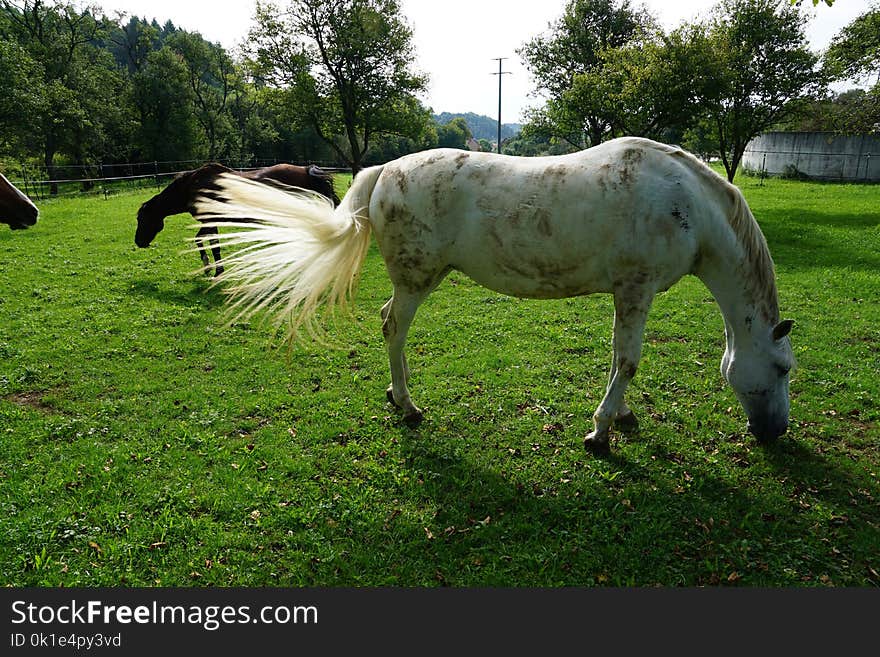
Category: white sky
[457,40]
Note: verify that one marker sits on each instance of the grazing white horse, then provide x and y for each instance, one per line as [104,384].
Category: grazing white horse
[629,217]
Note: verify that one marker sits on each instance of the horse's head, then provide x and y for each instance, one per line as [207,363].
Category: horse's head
[758,372]
[16,209]
[150,222]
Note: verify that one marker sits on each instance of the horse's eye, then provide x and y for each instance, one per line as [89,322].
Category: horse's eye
[783,369]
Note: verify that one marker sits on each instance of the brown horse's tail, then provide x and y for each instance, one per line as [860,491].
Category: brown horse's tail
[298,253]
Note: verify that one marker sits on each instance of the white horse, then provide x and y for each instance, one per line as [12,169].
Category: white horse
[629,217]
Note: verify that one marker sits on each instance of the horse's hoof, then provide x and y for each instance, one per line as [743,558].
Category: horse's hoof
[413,418]
[597,445]
[628,423]
[218,271]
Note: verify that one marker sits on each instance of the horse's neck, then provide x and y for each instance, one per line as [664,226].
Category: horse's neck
[174,199]
[729,277]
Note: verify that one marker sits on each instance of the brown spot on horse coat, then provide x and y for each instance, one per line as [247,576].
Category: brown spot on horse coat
[402,183]
[545,228]
[631,157]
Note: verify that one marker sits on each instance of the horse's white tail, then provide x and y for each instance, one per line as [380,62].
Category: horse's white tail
[298,252]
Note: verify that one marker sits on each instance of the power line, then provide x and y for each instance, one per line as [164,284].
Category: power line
[499,74]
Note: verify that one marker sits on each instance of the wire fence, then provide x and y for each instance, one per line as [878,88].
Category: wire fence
[41,182]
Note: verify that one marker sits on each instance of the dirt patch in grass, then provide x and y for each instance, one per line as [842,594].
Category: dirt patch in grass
[34,399]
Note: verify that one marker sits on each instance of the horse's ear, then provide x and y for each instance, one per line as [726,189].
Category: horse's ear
[782,329]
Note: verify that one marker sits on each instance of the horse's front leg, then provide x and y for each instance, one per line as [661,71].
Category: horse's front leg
[397,316]
[630,315]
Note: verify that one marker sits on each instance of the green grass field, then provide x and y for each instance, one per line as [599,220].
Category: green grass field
[142,443]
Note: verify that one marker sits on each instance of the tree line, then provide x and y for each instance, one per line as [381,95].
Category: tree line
[607,69]
[334,81]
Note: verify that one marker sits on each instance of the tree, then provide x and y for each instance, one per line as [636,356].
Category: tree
[454,134]
[132,42]
[23,99]
[59,38]
[162,97]
[649,89]
[572,50]
[854,53]
[210,73]
[760,68]
[347,66]
[855,111]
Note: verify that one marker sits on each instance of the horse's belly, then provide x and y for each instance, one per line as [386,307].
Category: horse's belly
[537,277]
[566,257]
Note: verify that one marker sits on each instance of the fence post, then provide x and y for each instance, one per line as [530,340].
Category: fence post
[101,176]
[24,178]
[867,165]
[156,174]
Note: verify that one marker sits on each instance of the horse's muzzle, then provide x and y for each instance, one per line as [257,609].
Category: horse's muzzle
[142,240]
[766,430]
[23,221]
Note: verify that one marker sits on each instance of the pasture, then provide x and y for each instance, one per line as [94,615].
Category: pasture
[144,443]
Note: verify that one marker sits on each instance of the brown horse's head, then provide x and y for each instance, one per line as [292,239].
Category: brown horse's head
[16,209]
[176,198]
[150,220]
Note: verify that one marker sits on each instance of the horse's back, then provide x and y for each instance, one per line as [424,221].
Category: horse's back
[544,227]
[311,177]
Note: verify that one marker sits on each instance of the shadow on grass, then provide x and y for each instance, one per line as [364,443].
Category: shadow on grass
[200,294]
[669,520]
[809,240]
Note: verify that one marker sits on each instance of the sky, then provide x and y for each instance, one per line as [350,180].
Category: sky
[458,41]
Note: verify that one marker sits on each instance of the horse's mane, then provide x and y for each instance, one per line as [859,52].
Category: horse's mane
[759,269]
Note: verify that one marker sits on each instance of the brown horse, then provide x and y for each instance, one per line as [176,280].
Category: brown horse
[179,195]
[16,209]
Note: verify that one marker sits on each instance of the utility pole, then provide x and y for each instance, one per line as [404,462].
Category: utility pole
[499,74]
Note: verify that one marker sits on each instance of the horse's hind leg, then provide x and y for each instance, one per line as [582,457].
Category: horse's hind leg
[386,309]
[397,316]
[630,315]
[215,250]
[203,254]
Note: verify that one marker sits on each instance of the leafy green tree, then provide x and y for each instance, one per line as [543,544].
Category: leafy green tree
[22,101]
[99,127]
[574,49]
[855,111]
[760,68]
[166,125]
[854,53]
[132,42]
[212,81]
[454,134]
[347,65]
[651,88]
[252,129]
[79,86]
